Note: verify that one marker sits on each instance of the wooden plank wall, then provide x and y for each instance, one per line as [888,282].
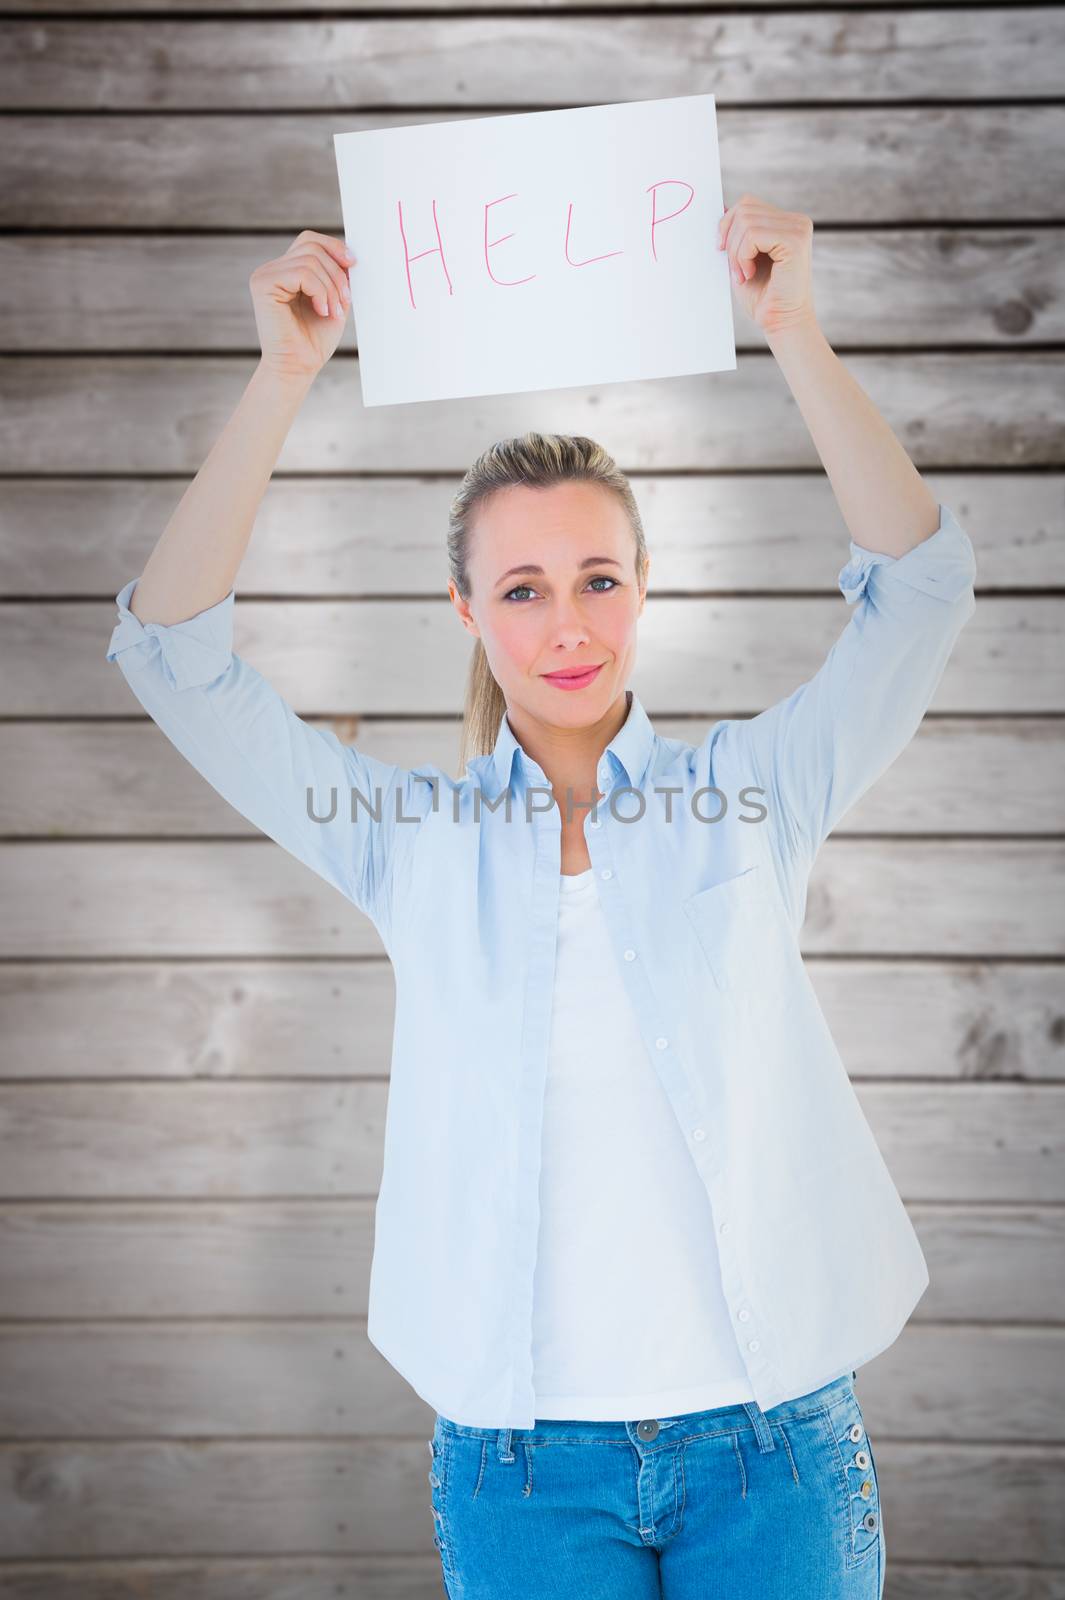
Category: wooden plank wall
[196,1029]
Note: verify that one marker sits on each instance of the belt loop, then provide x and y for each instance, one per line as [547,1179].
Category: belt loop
[503,1444]
[762,1431]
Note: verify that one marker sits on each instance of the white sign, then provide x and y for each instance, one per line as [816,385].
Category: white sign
[539,251]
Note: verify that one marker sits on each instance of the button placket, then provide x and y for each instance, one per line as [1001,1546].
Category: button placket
[630,954]
[547,866]
[754,1357]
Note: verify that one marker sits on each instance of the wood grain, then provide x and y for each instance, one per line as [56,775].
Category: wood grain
[197,1030]
[1001,164]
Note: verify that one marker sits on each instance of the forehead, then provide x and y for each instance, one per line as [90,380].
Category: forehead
[519,513]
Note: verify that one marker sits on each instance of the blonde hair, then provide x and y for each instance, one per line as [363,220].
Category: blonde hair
[536,460]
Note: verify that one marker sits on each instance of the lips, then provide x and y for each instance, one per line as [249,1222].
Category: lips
[575,679]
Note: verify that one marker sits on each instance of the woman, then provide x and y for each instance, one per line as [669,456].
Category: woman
[634,1235]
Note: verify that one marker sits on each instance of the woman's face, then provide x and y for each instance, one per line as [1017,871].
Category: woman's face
[578,610]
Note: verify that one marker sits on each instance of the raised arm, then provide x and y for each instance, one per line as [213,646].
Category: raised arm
[173,638]
[910,574]
[819,749]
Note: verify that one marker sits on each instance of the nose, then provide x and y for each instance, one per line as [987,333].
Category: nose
[568,627]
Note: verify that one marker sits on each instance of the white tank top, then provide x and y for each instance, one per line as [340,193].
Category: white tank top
[629,1317]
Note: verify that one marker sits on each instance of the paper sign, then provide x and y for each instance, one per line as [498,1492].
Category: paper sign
[539,251]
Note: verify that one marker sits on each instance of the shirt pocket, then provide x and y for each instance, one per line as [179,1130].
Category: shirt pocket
[729,921]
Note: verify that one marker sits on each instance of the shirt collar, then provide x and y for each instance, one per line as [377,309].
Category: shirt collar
[631,745]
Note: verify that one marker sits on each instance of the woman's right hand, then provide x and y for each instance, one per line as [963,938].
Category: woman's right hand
[301,302]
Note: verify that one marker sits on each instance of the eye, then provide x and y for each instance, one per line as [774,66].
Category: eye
[602,577]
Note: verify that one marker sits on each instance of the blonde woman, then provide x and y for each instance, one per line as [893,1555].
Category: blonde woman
[634,1236]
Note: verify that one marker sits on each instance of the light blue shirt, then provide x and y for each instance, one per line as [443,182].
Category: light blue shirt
[820,1265]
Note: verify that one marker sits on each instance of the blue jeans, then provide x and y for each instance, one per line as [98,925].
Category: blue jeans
[735,1503]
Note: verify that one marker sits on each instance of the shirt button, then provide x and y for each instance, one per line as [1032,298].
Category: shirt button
[698,1133]
[606,873]
[660,1044]
[725,1227]
[753,1344]
[744,1315]
[630,955]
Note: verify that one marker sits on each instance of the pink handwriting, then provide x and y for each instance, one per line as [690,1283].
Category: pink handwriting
[654,221]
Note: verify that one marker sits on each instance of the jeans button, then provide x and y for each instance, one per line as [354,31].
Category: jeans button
[647,1429]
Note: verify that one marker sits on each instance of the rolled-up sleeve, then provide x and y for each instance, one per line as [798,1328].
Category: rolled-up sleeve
[239,733]
[817,751]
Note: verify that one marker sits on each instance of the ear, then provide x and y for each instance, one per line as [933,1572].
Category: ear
[463,608]
[643,591]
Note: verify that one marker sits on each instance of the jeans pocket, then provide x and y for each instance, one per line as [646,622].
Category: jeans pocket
[440,1450]
[858,1479]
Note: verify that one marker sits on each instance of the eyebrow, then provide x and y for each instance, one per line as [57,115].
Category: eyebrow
[589,561]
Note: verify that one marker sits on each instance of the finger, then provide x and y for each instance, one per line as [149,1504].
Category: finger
[733,233]
[335,302]
[772,236]
[313,282]
[328,264]
[750,235]
[337,247]
[733,223]
[735,216]
[723,227]
[746,253]
[318,293]
[314,270]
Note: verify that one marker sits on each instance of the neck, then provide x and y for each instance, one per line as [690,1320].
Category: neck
[569,756]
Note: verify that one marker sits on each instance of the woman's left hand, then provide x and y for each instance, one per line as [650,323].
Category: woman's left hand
[771,258]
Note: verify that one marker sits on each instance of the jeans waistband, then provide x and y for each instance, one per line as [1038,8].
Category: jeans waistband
[670,1429]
